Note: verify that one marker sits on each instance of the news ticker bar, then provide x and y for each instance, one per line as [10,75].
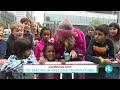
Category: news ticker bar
[60,69]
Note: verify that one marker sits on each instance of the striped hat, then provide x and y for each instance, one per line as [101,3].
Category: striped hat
[65,28]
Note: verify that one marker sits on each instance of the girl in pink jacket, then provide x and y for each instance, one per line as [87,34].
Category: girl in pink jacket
[45,35]
[71,40]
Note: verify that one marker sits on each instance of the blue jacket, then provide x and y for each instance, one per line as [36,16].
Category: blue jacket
[10,43]
[3,47]
[29,36]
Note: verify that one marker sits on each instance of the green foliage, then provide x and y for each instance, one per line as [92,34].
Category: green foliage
[95,22]
[39,25]
[2,22]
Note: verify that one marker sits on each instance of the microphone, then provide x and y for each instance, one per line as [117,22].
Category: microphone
[58,56]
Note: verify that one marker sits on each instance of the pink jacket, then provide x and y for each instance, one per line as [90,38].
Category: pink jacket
[80,42]
[38,51]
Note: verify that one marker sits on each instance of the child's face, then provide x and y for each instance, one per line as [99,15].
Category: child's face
[18,32]
[113,31]
[118,54]
[100,36]
[50,53]
[46,35]
[90,32]
[34,26]
[1,32]
[27,53]
[26,26]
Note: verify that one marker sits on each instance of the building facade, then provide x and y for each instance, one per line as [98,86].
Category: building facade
[21,14]
[105,12]
[7,17]
[80,19]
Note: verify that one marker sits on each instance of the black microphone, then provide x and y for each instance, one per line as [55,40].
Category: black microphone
[58,56]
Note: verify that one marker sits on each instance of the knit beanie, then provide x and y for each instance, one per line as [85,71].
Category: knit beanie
[65,28]
[91,27]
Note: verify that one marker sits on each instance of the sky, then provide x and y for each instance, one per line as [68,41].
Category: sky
[39,16]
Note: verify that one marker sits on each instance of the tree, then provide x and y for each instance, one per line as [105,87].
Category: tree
[95,22]
[2,22]
[40,26]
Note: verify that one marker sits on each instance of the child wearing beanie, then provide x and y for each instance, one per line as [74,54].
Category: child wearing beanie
[90,34]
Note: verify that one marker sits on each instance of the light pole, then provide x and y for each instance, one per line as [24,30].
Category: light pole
[56,23]
[117,16]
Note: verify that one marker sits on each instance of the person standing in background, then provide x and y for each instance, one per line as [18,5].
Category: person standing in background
[114,32]
[35,30]
[90,35]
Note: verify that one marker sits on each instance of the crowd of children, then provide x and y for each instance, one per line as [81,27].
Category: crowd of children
[28,43]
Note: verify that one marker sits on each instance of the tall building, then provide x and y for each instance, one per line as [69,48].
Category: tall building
[7,17]
[21,14]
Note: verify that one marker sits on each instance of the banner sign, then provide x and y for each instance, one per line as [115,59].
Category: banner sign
[60,69]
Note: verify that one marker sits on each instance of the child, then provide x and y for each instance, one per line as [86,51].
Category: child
[71,40]
[114,32]
[100,50]
[22,53]
[3,46]
[90,35]
[118,56]
[45,35]
[26,24]
[17,32]
[35,32]
[49,53]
